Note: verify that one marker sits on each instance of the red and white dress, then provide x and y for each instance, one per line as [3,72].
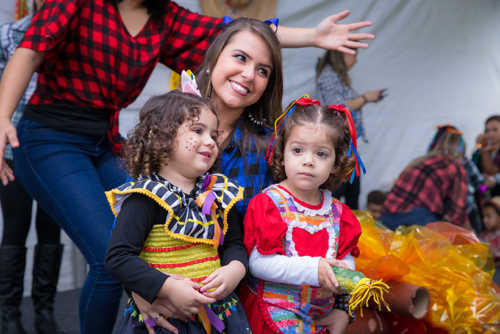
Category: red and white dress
[277,223]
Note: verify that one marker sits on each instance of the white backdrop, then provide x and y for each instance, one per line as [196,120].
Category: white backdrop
[440,61]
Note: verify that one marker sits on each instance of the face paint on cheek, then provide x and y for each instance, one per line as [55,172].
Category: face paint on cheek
[190,144]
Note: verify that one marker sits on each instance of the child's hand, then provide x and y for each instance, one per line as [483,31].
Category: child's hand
[184,296]
[336,321]
[326,277]
[224,280]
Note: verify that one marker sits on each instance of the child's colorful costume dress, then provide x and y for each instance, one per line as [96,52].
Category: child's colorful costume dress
[160,230]
[278,223]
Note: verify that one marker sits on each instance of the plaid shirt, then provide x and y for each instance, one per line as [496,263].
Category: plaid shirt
[91,59]
[474,182]
[254,178]
[11,34]
[438,183]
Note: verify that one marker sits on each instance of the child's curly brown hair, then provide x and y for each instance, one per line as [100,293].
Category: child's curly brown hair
[340,136]
[151,142]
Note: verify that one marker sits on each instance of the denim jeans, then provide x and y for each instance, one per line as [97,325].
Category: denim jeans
[67,174]
[416,216]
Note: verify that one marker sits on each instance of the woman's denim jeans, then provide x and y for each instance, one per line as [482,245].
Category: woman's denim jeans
[67,174]
[416,216]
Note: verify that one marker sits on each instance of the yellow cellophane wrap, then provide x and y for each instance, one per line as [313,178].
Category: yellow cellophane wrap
[447,260]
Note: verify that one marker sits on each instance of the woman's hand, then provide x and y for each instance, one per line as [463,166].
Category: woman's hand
[326,277]
[224,280]
[8,135]
[161,309]
[330,35]
[184,296]
[373,95]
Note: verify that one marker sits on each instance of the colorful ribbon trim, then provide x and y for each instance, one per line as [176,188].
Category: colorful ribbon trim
[208,207]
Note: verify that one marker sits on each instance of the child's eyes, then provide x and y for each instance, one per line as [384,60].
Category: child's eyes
[197,130]
[296,150]
[322,154]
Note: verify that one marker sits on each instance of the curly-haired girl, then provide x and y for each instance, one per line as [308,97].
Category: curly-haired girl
[295,230]
[176,222]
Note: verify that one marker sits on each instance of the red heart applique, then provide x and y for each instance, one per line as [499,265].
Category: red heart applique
[310,244]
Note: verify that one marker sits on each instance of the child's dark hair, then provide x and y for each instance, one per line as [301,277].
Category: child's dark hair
[491,204]
[492,118]
[340,138]
[376,197]
[152,140]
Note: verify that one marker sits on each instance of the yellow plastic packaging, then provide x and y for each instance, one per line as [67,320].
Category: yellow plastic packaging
[447,260]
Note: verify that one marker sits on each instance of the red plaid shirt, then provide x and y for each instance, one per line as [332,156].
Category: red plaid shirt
[91,59]
[438,183]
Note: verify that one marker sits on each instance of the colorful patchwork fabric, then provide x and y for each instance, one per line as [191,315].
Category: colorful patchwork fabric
[290,308]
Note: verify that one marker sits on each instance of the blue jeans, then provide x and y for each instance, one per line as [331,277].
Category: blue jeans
[416,216]
[67,174]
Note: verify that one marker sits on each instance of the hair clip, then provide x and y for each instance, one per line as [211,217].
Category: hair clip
[353,145]
[275,21]
[304,100]
[188,83]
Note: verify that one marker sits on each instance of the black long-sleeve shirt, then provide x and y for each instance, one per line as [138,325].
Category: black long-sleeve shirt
[134,223]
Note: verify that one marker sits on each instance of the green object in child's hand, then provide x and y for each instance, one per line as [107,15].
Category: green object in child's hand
[347,279]
[361,289]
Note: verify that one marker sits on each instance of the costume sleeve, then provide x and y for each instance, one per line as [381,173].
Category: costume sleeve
[296,270]
[456,211]
[190,36]
[263,226]
[349,233]
[233,248]
[51,24]
[133,225]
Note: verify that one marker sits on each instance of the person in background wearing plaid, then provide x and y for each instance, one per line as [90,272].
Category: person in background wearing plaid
[93,59]
[432,187]
[16,211]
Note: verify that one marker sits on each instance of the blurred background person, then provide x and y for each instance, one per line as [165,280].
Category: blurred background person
[333,86]
[487,155]
[491,234]
[375,203]
[432,187]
